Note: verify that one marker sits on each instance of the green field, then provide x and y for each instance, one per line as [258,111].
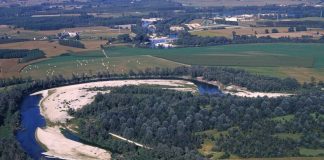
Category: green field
[311,152]
[300,61]
[92,63]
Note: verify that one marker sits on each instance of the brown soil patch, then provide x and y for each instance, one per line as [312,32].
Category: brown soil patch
[52,48]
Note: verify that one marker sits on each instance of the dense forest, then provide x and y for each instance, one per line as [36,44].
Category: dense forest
[168,122]
[9,121]
[25,55]
[71,43]
[54,23]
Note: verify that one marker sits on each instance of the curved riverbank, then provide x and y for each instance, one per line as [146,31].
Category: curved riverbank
[56,101]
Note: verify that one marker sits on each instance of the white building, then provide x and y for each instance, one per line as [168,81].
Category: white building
[176,28]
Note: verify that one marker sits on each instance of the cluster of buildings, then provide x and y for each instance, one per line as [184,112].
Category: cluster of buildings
[160,41]
[68,35]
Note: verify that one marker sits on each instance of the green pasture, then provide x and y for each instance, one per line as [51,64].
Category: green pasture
[297,60]
[257,55]
[93,63]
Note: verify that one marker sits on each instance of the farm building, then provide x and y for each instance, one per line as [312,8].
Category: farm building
[165,42]
[176,28]
[149,21]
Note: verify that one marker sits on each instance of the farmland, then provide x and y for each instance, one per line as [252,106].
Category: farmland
[52,48]
[233,3]
[93,63]
[300,61]
[86,33]
[228,32]
[259,32]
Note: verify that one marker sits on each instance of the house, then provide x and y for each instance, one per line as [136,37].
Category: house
[231,19]
[176,28]
[193,26]
[67,34]
[149,21]
[165,42]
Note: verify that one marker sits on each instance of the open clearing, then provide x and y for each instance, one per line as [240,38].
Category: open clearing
[297,60]
[52,48]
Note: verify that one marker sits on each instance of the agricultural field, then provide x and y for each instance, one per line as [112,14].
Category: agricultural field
[300,61]
[228,32]
[92,63]
[53,48]
[234,3]
[259,32]
[91,37]
[86,33]
[90,33]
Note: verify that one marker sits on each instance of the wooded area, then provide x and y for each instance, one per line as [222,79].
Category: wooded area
[168,121]
[72,43]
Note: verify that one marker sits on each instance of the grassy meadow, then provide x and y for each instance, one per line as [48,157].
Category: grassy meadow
[300,61]
[92,63]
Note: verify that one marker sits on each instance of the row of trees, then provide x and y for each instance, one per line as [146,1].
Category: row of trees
[25,55]
[71,43]
[303,24]
[187,40]
[54,23]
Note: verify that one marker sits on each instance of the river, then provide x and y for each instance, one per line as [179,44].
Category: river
[31,119]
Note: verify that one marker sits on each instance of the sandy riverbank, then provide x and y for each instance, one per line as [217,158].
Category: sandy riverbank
[56,102]
[63,148]
[241,91]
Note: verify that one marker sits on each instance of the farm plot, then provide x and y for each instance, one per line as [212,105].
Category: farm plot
[52,48]
[301,61]
[234,3]
[93,63]
[228,32]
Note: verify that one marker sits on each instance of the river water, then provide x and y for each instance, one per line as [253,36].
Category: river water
[31,119]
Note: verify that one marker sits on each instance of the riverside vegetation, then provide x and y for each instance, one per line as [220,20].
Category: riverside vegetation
[158,117]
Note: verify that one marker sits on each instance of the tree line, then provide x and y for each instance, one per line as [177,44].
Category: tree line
[71,43]
[185,39]
[25,55]
[54,23]
[306,23]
